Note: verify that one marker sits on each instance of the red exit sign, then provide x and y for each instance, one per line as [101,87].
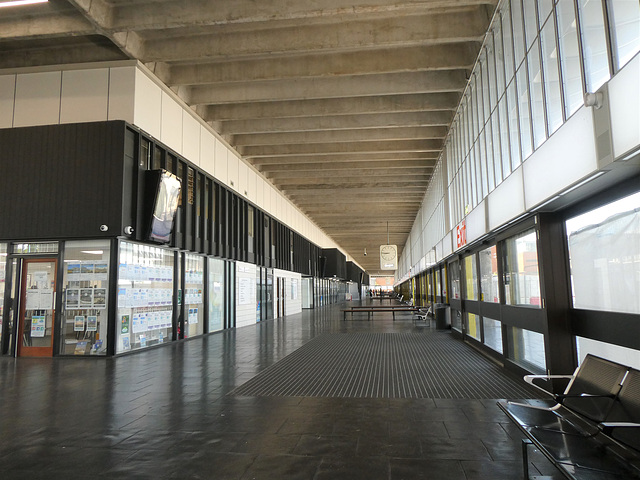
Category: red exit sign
[461,234]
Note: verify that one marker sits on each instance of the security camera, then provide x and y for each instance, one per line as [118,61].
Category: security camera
[104,228]
[128,230]
[365,254]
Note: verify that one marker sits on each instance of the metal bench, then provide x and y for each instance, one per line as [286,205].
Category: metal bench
[592,429]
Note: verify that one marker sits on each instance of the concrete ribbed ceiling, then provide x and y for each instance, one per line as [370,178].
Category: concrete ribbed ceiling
[342,104]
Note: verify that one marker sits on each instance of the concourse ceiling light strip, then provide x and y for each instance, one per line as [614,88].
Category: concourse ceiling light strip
[17,3]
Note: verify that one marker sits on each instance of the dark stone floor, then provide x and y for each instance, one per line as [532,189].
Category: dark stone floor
[166,413]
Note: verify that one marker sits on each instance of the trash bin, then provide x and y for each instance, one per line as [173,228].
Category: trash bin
[441,315]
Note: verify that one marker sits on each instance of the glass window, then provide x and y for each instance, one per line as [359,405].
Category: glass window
[544,9]
[85,306]
[551,77]
[569,56]
[624,16]
[514,129]
[456,320]
[530,22]
[491,73]
[492,330]
[604,256]
[216,294]
[616,353]
[518,31]
[507,36]
[497,165]
[594,43]
[193,295]
[537,100]
[488,259]
[526,348]
[454,275]
[499,57]
[520,265]
[504,137]
[471,277]
[486,95]
[473,325]
[523,110]
[145,296]
[3,266]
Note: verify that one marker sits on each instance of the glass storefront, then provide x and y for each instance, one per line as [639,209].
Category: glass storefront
[526,348]
[145,296]
[471,277]
[454,273]
[85,306]
[216,294]
[473,325]
[604,251]
[193,295]
[492,330]
[522,281]
[488,260]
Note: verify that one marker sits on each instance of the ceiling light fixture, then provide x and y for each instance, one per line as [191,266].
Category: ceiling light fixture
[17,3]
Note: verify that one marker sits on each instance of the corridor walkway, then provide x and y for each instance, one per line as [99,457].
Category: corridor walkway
[177,412]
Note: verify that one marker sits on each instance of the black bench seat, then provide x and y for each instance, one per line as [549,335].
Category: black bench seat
[590,431]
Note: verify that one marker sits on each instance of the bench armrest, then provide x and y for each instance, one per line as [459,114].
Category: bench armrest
[608,427]
[531,378]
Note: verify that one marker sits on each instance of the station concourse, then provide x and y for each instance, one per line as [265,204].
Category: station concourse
[192,193]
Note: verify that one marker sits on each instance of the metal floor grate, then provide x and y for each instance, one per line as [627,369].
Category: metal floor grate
[385,365]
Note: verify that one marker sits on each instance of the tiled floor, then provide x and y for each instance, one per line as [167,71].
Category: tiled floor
[165,413]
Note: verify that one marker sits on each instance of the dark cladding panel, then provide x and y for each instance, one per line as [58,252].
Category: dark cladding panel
[61,181]
[335,264]
[354,273]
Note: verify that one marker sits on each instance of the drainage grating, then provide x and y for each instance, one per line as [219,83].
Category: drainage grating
[385,365]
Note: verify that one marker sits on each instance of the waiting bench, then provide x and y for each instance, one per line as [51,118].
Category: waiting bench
[591,430]
[370,310]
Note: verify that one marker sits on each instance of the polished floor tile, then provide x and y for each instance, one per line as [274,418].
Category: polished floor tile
[169,413]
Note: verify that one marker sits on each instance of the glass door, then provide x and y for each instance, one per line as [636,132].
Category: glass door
[37,300]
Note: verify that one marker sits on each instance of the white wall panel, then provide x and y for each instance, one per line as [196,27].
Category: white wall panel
[221,162]
[506,202]
[246,296]
[85,96]
[566,157]
[7,96]
[624,103]
[190,138]
[260,187]
[252,185]
[171,128]
[232,170]
[243,182]
[147,113]
[476,222]
[207,150]
[37,99]
[122,83]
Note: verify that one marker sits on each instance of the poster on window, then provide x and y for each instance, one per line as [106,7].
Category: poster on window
[78,323]
[244,291]
[92,323]
[38,325]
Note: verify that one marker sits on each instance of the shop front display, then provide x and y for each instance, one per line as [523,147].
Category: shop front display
[193,295]
[145,296]
[85,313]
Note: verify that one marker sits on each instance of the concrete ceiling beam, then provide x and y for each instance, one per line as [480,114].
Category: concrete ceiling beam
[427,157]
[66,23]
[222,42]
[360,173]
[172,14]
[323,148]
[330,87]
[340,136]
[333,106]
[349,166]
[399,180]
[421,58]
[338,122]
